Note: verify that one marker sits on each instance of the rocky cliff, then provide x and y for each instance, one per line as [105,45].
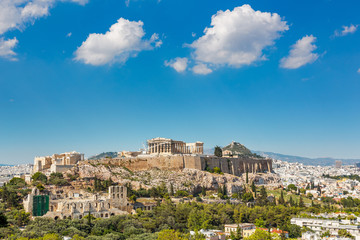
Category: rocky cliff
[191,180]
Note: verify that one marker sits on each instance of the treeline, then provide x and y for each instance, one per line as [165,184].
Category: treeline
[168,216]
[352,177]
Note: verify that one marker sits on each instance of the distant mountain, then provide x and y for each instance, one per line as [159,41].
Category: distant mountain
[326,161]
[104,155]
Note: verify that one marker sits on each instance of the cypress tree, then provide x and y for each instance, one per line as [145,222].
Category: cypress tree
[171,190]
[281,199]
[301,202]
[224,192]
[291,202]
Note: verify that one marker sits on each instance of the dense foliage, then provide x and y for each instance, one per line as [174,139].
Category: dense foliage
[146,224]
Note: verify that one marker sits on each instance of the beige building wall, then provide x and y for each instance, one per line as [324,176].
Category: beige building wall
[53,163]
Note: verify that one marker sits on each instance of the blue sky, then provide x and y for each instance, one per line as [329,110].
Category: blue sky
[97,75]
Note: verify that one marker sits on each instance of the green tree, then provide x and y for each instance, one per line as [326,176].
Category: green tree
[301,202]
[262,235]
[291,202]
[218,151]
[325,234]
[345,234]
[262,199]
[17,182]
[3,220]
[292,187]
[169,235]
[132,199]
[247,197]
[39,177]
[217,170]
[51,236]
[253,188]
[171,189]
[260,223]
[247,176]
[57,179]
[281,199]
[236,235]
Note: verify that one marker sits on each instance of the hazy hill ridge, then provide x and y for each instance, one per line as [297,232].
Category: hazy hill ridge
[326,161]
[104,155]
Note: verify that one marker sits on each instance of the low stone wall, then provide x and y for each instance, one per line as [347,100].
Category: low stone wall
[235,166]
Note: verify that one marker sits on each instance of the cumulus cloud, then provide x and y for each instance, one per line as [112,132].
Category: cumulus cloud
[6,48]
[202,69]
[15,14]
[346,30]
[238,37]
[179,64]
[123,40]
[301,53]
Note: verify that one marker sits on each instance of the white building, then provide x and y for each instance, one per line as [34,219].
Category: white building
[323,225]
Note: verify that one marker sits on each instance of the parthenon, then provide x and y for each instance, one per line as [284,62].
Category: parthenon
[169,146]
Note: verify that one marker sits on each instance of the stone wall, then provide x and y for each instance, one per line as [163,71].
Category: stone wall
[235,166]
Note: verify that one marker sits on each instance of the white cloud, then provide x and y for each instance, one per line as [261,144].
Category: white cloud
[123,40]
[301,53]
[238,37]
[15,14]
[358,70]
[6,48]
[202,69]
[69,34]
[179,64]
[346,30]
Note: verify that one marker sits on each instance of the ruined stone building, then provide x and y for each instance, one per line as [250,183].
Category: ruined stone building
[57,162]
[76,204]
[170,146]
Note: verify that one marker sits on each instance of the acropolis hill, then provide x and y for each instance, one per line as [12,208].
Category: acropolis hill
[168,154]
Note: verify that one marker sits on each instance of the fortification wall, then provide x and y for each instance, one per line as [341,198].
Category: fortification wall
[235,166]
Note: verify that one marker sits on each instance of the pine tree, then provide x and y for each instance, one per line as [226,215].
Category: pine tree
[218,151]
[247,176]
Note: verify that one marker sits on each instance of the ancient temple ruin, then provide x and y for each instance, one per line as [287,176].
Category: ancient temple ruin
[170,146]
